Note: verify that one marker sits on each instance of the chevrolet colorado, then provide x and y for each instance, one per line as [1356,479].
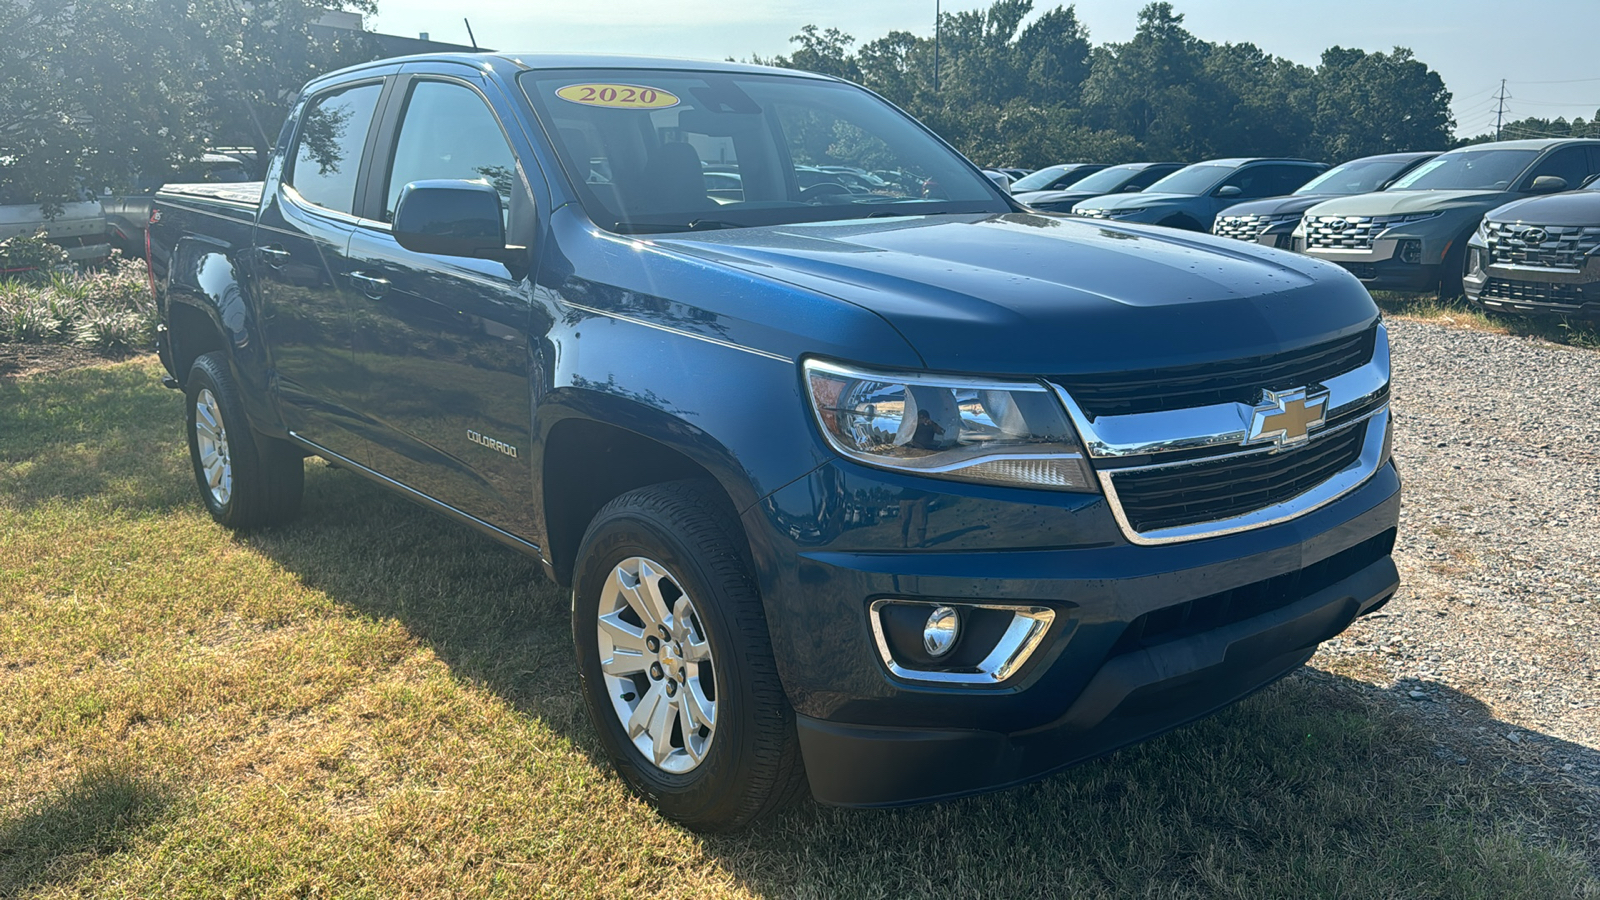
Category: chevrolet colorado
[898,496]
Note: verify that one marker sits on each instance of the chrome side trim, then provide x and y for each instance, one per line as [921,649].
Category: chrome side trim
[1218,425]
[678,331]
[1021,638]
[414,494]
[1343,482]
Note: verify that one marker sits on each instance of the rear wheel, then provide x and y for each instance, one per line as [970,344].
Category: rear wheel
[246,480]
[676,664]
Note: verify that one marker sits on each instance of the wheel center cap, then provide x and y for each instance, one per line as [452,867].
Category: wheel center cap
[669,657]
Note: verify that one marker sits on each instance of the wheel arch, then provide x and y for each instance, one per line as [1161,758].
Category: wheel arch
[208,309]
[587,462]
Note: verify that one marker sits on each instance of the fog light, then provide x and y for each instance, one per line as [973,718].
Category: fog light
[1410,252]
[941,631]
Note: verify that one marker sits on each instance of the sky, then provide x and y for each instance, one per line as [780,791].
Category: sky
[1548,61]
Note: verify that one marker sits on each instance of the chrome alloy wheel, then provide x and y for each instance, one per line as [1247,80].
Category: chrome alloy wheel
[212,441]
[657,665]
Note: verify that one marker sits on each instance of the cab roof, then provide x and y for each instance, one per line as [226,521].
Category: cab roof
[534,60]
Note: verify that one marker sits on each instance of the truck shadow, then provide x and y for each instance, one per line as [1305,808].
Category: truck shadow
[96,815]
[1321,769]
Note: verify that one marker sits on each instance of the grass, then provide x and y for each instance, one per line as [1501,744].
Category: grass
[375,702]
[1457,312]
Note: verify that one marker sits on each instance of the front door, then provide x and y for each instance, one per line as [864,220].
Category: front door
[443,341]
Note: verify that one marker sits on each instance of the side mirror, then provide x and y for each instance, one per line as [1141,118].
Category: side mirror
[1229,190]
[1547,184]
[453,218]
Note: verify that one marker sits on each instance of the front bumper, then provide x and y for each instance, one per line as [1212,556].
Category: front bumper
[1137,645]
[1534,290]
[1133,696]
[1378,268]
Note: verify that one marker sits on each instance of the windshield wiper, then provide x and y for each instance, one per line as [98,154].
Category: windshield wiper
[669,227]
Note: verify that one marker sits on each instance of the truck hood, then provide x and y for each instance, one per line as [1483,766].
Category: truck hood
[1023,294]
[1389,203]
[1580,208]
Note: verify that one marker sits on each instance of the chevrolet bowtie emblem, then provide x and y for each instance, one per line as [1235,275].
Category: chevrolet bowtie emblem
[1286,418]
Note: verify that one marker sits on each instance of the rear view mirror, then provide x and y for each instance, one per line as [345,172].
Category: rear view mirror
[1229,190]
[1548,184]
[453,218]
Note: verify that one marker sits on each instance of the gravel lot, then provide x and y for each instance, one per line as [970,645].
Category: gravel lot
[1494,639]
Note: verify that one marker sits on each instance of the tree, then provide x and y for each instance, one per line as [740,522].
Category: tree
[1379,103]
[99,94]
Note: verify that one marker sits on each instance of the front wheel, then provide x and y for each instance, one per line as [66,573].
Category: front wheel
[676,664]
[246,479]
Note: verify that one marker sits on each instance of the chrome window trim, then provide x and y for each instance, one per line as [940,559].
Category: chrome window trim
[1218,425]
[1342,483]
[1016,646]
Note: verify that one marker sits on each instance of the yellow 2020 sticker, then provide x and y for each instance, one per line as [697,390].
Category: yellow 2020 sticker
[618,96]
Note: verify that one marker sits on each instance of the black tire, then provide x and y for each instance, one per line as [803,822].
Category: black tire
[267,476]
[751,766]
[1452,268]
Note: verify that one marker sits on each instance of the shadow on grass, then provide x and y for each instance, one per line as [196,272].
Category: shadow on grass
[95,816]
[1320,786]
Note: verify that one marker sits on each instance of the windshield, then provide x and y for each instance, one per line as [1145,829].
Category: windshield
[1107,180]
[1472,170]
[1045,179]
[1360,176]
[641,143]
[1192,180]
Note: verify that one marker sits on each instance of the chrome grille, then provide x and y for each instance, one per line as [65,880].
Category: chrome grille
[1210,490]
[1093,213]
[1345,232]
[1557,247]
[1243,228]
[1552,295]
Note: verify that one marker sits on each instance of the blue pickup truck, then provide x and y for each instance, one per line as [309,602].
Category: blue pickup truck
[898,495]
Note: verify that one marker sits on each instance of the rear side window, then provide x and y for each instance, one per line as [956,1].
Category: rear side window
[333,131]
[448,132]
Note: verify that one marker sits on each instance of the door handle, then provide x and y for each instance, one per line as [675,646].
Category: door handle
[370,285]
[275,256]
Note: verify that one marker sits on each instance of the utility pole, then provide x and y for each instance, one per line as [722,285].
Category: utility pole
[1500,111]
[936,18]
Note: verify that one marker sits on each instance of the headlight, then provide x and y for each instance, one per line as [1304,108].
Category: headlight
[1012,433]
[1277,221]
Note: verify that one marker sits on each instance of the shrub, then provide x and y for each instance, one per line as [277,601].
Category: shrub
[109,310]
[30,257]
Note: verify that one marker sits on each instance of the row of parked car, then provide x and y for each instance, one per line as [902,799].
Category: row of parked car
[1515,225]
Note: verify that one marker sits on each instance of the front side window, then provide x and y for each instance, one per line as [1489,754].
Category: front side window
[333,131]
[1570,164]
[664,150]
[449,133]
[1468,170]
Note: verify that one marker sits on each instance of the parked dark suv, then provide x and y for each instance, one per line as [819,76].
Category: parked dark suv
[1272,222]
[1540,255]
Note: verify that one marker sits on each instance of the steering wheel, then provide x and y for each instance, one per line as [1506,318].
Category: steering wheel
[822,189]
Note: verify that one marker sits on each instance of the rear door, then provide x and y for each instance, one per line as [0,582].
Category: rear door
[442,342]
[301,237]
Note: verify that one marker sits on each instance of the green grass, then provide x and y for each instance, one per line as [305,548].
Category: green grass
[375,702]
[1457,312]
